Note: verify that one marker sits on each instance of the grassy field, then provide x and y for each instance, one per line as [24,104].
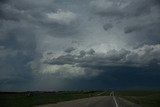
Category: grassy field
[142,98]
[29,99]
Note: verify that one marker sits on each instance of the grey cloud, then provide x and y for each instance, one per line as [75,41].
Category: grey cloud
[144,34]
[23,23]
[4,1]
[82,53]
[54,21]
[8,13]
[18,43]
[69,50]
[107,8]
[123,8]
[111,12]
[147,55]
[91,52]
[107,26]
[30,5]
[115,55]
[137,8]
[31,27]
[58,24]
[13,35]
[61,60]
[138,19]
[130,29]
[69,59]
[11,12]
[139,57]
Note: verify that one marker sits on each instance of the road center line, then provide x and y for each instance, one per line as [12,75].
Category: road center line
[115,101]
[101,93]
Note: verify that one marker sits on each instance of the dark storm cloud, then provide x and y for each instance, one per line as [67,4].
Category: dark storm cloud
[17,42]
[10,12]
[140,57]
[18,51]
[137,8]
[4,1]
[32,6]
[106,8]
[146,33]
[120,77]
[138,19]
[69,50]
[61,60]
[91,52]
[107,26]
[143,28]
[60,25]
[22,21]
[131,29]
[123,8]
[29,28]
[82,53]
[55,22]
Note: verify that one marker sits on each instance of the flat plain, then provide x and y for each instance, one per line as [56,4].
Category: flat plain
[30,99]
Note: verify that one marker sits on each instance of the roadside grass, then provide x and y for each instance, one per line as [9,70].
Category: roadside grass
[38,98]
[142,98]
[30,99]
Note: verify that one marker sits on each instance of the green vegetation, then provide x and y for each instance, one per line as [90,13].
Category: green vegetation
[29,99]
[142,98]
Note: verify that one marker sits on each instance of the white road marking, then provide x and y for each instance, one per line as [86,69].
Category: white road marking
[101,93]
[115,101]
[112,94]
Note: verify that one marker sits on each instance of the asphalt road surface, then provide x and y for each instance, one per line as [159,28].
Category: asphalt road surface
[100,101]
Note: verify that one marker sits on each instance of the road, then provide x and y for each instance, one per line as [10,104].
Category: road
[100,101]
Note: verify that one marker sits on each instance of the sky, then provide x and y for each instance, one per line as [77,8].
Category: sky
[51,45]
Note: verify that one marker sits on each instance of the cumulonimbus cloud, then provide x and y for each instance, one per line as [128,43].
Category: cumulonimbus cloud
[139,57]
[35,36]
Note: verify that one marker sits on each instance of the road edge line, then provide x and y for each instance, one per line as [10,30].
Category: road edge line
[115,101]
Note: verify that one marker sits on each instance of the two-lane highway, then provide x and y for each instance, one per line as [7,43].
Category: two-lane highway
[100,101]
